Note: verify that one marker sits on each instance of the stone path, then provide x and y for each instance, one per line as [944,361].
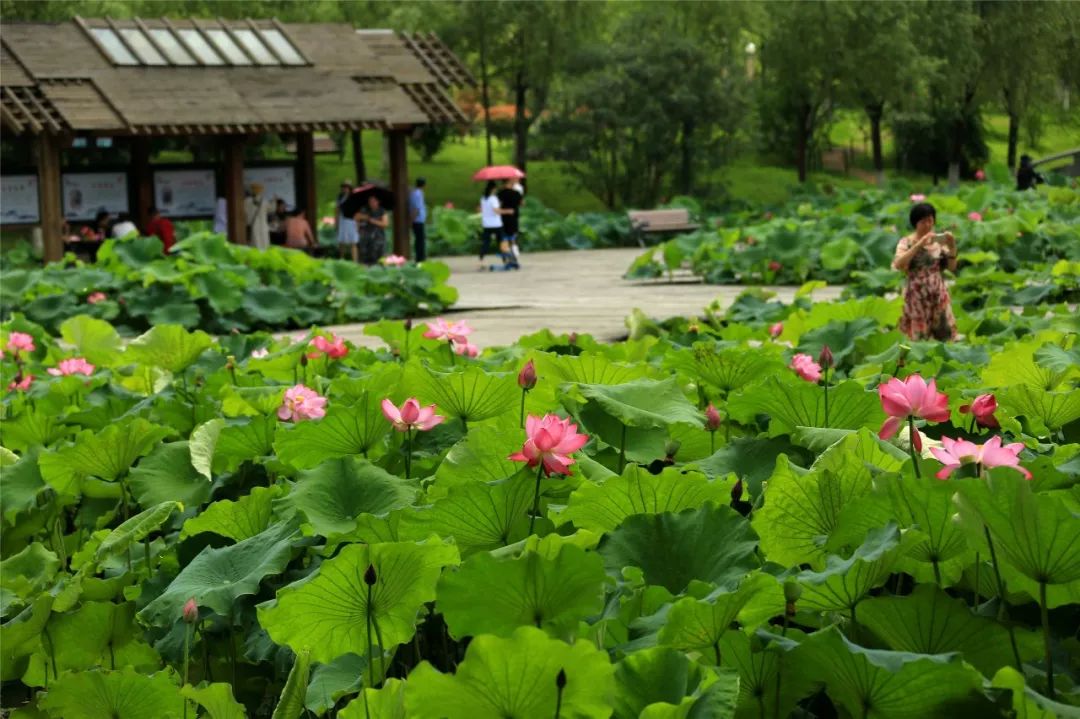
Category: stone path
[579,291]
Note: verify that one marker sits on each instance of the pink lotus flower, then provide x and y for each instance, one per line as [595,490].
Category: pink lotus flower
[775,266]
[712,418]
[980,175]
[76,365]
[457,332]
[825,358]
[94,297]
[958,452]
[260,353]
[302,403]
[911,397]
[551,440]
[449,205]
[20,342]
[776,329]
[527,376]
[21,385]
[467,349]
[983,409]
[974,216]
[334,348]
[191,611]
[329,221]
[805,366]
[394,260]
[917,197]
[411,415]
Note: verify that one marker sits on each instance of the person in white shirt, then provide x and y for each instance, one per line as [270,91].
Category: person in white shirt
[124,226]
[221,217]
[491,213]
[257,209]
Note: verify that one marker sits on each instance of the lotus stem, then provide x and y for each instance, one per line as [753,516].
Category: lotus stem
[521,412]
[716,651]
[408,453]
[914,454]
[370,648]
[52,653]
[978,561]
[826,388]
[382,650]
[187,660]
[712,441]
[1001,600]
[1049,657]
[622,450]
[937,573]
[536,498]
[450,351]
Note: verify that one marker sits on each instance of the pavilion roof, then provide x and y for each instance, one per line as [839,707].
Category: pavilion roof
[161,77]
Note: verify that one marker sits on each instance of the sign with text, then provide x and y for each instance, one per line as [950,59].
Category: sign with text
[277,182]
[87,193]
[185,193]
[19,199]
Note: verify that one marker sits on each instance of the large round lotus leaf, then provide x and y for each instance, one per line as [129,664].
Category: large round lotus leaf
[26,573]
[106,455]
[335,493]
[769,684]
[290,704]
[268,304]
[724,369]
[243,440]
[237,520]
[480,456]
[217,700]
[840,337]
[387,702]
[166,473]
[217,577]
[330,682]
[121,694]
[661,683]
[21,636]
[845,582]
[349,428]
[698,624]
[529,590]
[644,402]
[791,402]
[603,506]
[903,623]
[710,544]
[881,684]
[184,314]
[515,678]
[168,347]
[470,393]
[328,611]
[96,340]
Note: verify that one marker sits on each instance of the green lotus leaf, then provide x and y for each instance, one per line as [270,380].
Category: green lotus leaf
[790,402]
[710,544]
[585,368]
[183,314]
[881,684]
[769,683]
[1046,412]
[1017,365]
[168,347]
[885,312]
[346,430]
[470,394]
[135,529]
[496,596]
[845,582]
[751,459]
[662,683]
[123,256]
[480,456]
[270,305]
[328,611]
[478,515]
[724,369]
[32,429]
[1057,359]
[202,444]
[251,401]
[329,682]
[93,339]
[644,403]
[697,625]
[1026,702]
[120,694]
[223,290]
[238,520]
[21,636]
[1036,536]
[24,574]
[216,700]
[166,473]
[217,577]
[515,677]
[291,703]
[839,253]
[96,635]
[106,455]
[602,507]
[840,337]
[20,487]
[243,440]
[333,495]
[385,703]
[929,621]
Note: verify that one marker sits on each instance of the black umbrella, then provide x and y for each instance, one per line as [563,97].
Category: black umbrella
[357,201]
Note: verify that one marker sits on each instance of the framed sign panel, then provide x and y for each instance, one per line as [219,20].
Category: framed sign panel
[19,199]
[185,193]
[87,193]
[277,182]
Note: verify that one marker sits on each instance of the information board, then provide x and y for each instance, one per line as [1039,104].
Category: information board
[277,182]
[19,199]
[185,193]
[87,193]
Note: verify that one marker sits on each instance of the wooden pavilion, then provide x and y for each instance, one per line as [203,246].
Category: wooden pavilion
[225,82]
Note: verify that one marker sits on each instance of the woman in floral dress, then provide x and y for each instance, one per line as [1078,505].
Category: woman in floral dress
[924,256]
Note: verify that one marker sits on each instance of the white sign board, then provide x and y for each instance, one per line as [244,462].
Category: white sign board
[87,193]
[277,182]
[18,199]
[185,193]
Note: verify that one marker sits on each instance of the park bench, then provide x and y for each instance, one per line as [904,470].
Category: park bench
[660,222]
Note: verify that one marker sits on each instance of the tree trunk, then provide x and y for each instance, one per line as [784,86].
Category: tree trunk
[1014,138]
[801,142]
[521,122]
[686,169]
[358,156]
[484,99]
[874,112]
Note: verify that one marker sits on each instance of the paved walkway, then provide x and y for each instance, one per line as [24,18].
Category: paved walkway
[579,291]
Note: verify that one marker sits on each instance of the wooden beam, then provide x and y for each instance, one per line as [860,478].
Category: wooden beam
[27,115]
[236,41]
[153,41]
[43,110]
[234,188]
[305,161]
[180,39]
[8,119]
[399,184]
[255,29]
[281,28]
[142,178]
[49,206]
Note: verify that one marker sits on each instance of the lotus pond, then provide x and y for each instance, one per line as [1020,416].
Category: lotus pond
[700,521]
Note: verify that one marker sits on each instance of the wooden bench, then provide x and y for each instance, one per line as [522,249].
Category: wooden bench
[659,222]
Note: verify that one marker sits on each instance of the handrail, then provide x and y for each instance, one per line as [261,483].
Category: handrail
[1058,156]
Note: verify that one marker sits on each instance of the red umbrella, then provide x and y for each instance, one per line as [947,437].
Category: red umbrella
[498,172]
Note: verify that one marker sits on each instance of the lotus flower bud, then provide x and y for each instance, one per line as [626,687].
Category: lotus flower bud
[776,329]
[736,491]
[693,328]
[825,359]
[712,418]
[408,324]
[191,611]
[571,338]
[527,376]
[369,575]
[672,448]
[230,363]
[560,679]
[792,592]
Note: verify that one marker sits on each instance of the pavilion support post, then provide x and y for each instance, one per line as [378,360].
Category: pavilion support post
[305,159]
[51,212]
[358,156]
[143,180]
[234,189]
[399,184]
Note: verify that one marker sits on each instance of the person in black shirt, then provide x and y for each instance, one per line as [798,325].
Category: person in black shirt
[1026,176]
[510,199]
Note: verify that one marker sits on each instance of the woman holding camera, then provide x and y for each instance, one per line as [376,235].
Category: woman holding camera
[924,256]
